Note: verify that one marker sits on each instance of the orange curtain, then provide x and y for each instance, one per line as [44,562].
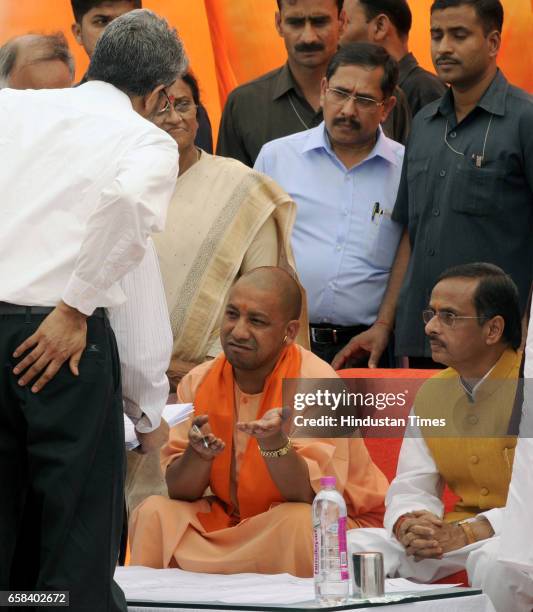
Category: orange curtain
[232,41]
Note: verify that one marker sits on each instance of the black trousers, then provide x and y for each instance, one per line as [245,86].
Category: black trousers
[62,470]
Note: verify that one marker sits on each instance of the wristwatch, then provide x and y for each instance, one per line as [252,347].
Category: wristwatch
[278,452]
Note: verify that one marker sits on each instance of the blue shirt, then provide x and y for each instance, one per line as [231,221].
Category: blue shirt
[344,239]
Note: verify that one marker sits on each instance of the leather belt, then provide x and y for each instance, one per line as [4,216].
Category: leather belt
[334,334]
[17,309]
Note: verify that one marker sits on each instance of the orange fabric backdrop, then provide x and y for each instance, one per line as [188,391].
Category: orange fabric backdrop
[232,41]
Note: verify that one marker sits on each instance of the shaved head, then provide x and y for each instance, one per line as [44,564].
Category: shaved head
[279,284]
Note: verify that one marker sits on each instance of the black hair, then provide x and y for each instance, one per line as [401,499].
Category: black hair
[81,7]
[496,294]
[192,82]
[397,11]
[339,4]
[489,12]
[370,55]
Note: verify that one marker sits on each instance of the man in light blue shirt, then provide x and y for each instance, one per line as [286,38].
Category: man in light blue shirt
[344,176]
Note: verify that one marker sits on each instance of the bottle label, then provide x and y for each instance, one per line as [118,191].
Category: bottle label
[316,548]
[343,551]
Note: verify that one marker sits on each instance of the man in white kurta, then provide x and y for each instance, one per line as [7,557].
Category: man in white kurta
[475,396]
[504,569]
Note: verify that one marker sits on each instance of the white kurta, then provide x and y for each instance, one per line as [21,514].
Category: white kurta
[504,570]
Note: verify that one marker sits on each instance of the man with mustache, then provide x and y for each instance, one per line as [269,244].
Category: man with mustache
[473,326]
[467,183]
[343,176]
[257,514]
[286,100]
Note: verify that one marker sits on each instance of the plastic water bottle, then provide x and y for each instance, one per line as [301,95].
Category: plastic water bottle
[330,556]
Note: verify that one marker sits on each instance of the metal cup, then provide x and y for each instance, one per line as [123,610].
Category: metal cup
[368,578]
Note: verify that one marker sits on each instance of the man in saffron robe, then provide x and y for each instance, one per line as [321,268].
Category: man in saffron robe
[258,518]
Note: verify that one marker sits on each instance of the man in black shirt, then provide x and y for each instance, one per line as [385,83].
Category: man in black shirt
[466,192]
[387,23]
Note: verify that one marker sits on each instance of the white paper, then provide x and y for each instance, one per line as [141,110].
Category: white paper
[172,413]
[394,585]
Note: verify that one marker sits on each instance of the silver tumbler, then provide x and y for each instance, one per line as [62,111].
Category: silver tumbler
[367,576]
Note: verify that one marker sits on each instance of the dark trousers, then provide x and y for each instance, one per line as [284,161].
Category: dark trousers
[330,344]
[62,473]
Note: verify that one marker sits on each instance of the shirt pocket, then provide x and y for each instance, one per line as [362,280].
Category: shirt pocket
[478,191]
[417,173]
[383,237]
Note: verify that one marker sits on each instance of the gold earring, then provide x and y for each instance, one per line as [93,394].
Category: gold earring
[284,339]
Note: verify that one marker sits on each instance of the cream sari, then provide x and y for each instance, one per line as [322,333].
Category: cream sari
[218,209]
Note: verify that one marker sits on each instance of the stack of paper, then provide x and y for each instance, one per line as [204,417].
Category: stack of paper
[172,413]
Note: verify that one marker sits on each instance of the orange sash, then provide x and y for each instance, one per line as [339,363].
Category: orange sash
[256,491]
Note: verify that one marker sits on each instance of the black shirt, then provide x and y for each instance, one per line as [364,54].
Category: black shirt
[420,86]
[467,200]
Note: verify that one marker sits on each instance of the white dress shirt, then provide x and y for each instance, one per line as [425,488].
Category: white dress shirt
[418,484]
[517,535]
[84,180]
[144,339]
[343,248]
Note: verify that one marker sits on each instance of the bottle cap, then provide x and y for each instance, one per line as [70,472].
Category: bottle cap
[328,481]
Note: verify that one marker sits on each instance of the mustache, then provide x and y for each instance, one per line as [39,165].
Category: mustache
[349,121]
[308,47]
[446,59]
[433,338]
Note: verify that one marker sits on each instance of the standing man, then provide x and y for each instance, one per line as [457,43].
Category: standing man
[343,176]
[92,16]
[36,61]
[84,182]
[287,100]
[467,183]
[387,23]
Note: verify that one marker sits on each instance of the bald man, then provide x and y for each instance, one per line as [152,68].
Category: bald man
[235,444]
[36,61]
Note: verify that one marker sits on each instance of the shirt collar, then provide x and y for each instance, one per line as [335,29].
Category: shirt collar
[407,64]
[106,96]
[493,100]
[284,82]
[317,138]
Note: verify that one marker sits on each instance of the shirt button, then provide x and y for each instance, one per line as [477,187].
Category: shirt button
[346,178]
[472,419]
[474,459]
[436,212]
[484,491]
[431,252]
[442,173]
[338,248]
[325,320]
[345,211]
[453,134]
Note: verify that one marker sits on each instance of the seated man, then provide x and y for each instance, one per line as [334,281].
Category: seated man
[258,518]
[473,324]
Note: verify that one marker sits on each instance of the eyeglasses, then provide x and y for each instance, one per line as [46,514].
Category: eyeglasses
[184,108]
[445,317]
[337,96]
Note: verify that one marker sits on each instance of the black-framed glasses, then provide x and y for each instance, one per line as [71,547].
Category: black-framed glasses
[184,108]
[338,96]
[445,317]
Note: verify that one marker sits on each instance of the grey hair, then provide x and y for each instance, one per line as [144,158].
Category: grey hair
[51,47]
[137,52]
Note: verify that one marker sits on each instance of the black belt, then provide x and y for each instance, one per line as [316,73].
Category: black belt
[17,309]
[334,334]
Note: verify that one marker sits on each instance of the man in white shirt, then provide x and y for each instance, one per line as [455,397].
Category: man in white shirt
[504,570]
[85,179]
[344,176]
[474,327]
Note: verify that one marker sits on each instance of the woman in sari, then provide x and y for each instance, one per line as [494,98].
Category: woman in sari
[224,219]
